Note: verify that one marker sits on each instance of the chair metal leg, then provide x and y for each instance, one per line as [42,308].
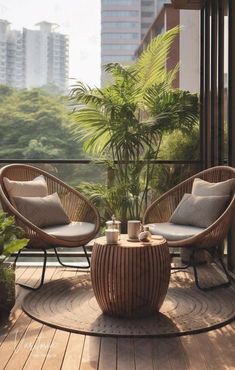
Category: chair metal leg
[42,276]
[183,266]
[73,266]
[226,284]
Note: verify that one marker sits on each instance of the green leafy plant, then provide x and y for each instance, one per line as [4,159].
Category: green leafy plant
[11,237]
[11,240]
[123,124]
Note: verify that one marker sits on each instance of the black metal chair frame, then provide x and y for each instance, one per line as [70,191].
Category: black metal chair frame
[44,265]
[214,252]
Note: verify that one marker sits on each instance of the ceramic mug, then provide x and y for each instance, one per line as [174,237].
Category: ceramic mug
[133,229]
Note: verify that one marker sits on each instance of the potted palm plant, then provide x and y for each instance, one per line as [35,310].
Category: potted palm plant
[11,240]
[123,124]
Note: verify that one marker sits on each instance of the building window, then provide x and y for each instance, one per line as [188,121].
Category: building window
[120,36]
[120,13]
[147,14]
[119,46]
[120,25]
[116,58]
[120,2]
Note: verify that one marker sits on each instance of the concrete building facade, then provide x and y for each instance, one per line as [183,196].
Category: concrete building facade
[185,49]
[11,56]
[33,58]
[123,25]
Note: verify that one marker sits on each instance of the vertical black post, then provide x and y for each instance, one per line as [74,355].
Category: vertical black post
[214,83]
[202,92]
[207,74]
[221,91]
[231,117]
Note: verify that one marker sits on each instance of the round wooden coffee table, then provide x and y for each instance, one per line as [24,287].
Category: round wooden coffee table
[130,279]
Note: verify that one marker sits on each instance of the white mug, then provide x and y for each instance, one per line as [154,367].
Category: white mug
[112,236]
[133,229]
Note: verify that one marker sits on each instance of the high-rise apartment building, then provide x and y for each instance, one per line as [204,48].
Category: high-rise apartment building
[11,56]
[33,58]
[185,48]
[123,25]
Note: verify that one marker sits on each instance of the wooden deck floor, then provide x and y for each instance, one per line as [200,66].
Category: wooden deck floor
[27,344]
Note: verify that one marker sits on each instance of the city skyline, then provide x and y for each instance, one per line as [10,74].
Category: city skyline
[79,19]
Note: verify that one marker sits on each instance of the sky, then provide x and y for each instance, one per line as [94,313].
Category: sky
[79,19]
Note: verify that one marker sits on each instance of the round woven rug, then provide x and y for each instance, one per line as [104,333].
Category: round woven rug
[69,304]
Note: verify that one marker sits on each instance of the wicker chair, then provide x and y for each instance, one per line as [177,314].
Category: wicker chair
[77,207]
[212,237]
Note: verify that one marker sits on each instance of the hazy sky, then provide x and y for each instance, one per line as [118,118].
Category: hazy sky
[80,19]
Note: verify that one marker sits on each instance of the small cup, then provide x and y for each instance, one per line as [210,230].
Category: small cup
[133,229]
[112,236]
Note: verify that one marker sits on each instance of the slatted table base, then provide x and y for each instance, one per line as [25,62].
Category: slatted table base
[130,279]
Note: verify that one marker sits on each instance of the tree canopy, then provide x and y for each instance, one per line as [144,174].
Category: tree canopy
[34,125]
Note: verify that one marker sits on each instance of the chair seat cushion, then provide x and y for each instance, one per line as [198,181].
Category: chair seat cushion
[74,231]
[174,232]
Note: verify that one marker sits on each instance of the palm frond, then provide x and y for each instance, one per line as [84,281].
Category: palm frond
[150,67]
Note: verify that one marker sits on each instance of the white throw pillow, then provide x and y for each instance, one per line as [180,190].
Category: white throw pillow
[34,188]
[205,188]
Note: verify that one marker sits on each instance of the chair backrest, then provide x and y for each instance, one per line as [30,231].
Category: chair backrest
[75,204]
[161,209]
[213,174]
[169,200]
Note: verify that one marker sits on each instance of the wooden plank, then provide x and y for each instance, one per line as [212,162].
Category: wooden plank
[57,348]
[24,347]
[12,339]
[90,355]
[40,349]
[19,327]
[44,341]
[108,354]
[223,340]
[143,354]
[16,311]
[161,351]
[177,356]
[56,351]
[73,352]
[125,354]
[194,353]
[208,345]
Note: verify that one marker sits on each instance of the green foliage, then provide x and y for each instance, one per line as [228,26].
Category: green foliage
[124,122]
[35,125]
[7,287]
[177,145]
[11,236]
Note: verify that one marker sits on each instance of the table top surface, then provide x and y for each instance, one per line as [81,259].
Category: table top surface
[125,243]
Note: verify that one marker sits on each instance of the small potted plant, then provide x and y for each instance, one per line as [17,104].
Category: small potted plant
[11,240]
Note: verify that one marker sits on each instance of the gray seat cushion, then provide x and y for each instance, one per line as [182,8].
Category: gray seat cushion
[174,232]
[74,231]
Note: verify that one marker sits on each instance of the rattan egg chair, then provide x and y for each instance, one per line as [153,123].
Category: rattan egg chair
[211,238]
[77,207]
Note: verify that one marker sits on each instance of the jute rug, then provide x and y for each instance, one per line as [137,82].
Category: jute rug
[69,304]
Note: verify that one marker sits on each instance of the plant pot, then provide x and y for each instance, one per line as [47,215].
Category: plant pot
[7,288]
